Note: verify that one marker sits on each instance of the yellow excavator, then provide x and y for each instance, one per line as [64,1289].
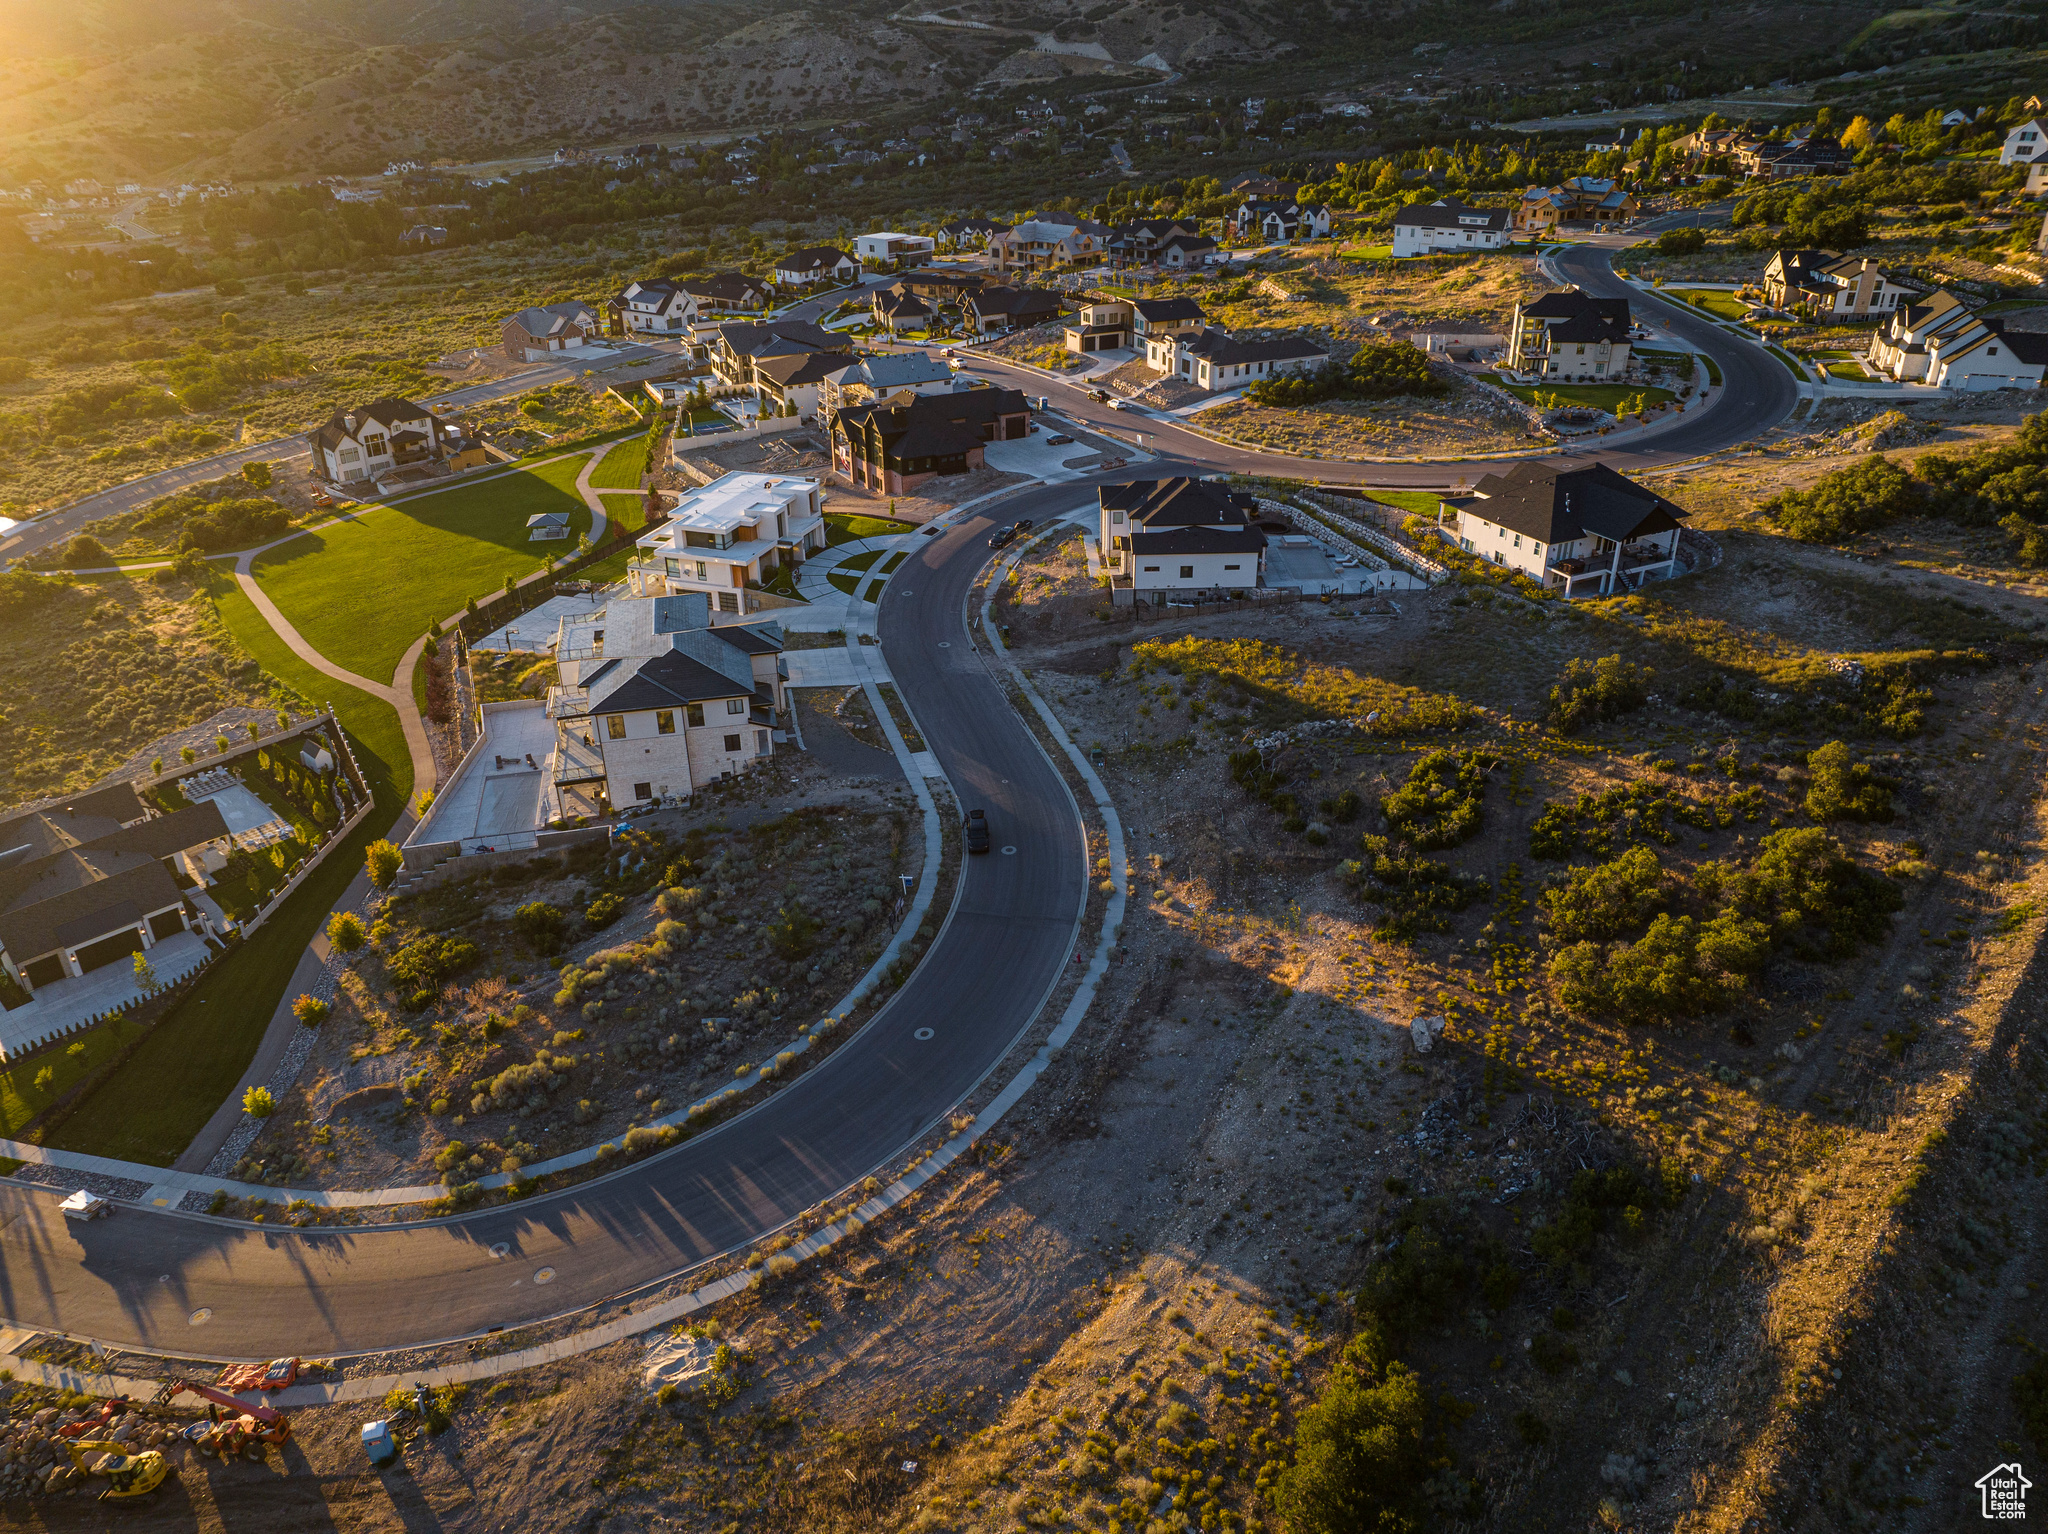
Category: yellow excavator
[130,1477]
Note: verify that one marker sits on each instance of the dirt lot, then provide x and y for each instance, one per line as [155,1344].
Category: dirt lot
[1475,293]
[1470,420]
[469,1039]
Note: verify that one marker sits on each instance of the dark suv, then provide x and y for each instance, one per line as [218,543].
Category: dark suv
[1001,536]
[977,831]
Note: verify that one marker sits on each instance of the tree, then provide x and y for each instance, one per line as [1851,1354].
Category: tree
[1852,500]
[1361,1455]
[221,744]
[1681,242]
[1844,790]
[145,974]
[257,474]
[1599,689]
[258,1103]
[156,767]
[1608,900]
[46,1080]
[254,730]
[311,1011]
[540,924]
[86,551]
[187,754]
[384,860]
[345,931]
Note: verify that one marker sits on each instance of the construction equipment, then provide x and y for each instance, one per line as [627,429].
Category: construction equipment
[275,1375]
[86,1426]
[235,1428]
[130,1477]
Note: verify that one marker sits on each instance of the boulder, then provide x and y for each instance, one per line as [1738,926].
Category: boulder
[1425,1031]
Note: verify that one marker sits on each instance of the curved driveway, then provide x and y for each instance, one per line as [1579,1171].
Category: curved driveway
[136,1279]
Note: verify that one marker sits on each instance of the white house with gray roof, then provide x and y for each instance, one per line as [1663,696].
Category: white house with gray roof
[1449,224]
[886,373]
[1586,532]
[1212,358]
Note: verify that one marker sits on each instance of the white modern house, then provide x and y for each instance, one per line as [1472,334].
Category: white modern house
[889,249]
[726,539]
[375,439]
[1212,358]
[1158,539]
[1585,532]
[659,308]
[1448,224]
[1946,343]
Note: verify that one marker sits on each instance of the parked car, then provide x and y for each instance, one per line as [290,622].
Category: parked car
[90,1206]
[1001,536]
[1100,396]
[1057,441]
[1119,404]
[977,831]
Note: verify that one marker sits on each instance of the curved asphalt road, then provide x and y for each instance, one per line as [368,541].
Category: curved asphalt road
[134,1280]
[137,1279]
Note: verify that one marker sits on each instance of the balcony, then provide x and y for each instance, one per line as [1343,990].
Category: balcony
[578,757]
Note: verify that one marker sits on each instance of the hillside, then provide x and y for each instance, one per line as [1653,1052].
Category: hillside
[268,88]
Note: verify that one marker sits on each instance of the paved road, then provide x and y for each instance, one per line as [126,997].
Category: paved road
[136,1279]
[1757,392]
[285,452]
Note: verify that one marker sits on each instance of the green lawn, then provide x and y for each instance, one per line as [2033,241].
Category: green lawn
[1842,364]
[889,565]
[20,1098]
[873,593]
[848,526]
[1368,253]
[1665,359]
[624,514]
[623,465]
[1420,503]
[1726,305]
[846,574]
[361,592]
[1713,370]
[150,1110]
[1785,357]
[1596,396]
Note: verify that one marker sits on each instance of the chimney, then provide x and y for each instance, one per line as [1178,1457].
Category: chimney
[349,421]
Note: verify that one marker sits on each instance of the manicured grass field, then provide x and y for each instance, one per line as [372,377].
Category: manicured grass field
[361,592]
[1421,503]
[20,1098]
[1725,305]
[153,1106]
[846,574]
[622,466]
[846,526]
[1797,371]
[1842,364]
[1594,396]
[1368,253]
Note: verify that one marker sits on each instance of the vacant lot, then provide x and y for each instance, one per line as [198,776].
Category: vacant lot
[362,590]
[1466,293]
[1471,420]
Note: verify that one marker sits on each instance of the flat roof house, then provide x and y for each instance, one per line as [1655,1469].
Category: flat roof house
[726,539]
[1191,538]
[888,249]
[1585,532]
[1569,337]
[531,334]
[86,881]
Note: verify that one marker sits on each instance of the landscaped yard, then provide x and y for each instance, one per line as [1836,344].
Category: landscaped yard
[1785,357]
[361,592]
[1726,305]
[1842,364]
[846,574]
[849,526]
[21,1099]
[1608,397]
[623,465]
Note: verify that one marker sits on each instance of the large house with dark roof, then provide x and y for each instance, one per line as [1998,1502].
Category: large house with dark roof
[87,881]
[1586,532]
[792,385]
[988,311]
[658,306]
[1447,225]
[1820,282]
[897,443]
[1213,358]
[655,697]
[1190,538]
[814,264]
[740,346]
[1569,337]
[728,292]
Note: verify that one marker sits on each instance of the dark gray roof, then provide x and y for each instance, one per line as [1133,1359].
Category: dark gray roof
[388,412]
[1450,213]
[1159,310]
[751,638]
[663,681]
[553,319]
[1562,505]
[1200,540]
[1178,502]
[813,258]
[1225,349]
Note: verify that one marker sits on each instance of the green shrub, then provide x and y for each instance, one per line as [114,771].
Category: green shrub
[1676,970]
[426,961]
[541,925]
[1808,892]
[86,552]
[383,860]
[1845,790]
[1857,499]
[311,1011]
[258,1103]
[1441,804]
[1362,1456]
[1417,894]
[1600,689]
[1609,900]
[604,910]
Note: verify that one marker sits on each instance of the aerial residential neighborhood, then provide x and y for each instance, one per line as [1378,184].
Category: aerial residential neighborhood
[1130,771]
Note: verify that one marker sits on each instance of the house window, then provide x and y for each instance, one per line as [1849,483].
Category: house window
[675,569]
[664,721]
[1151,569]
[1116,519]
[694,712]
[1991,351]
[728,602]
[1230,567]
[615,726]
[735,705]
[349,455]
[732,742]
[1187,572]
[374,446]
[761,742]
[643,790]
